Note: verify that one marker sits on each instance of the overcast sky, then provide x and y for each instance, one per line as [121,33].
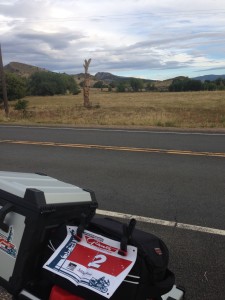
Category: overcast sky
[155,39]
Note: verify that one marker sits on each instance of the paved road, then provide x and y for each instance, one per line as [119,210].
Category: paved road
[173,176]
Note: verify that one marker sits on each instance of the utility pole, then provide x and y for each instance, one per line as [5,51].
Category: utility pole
[4,90]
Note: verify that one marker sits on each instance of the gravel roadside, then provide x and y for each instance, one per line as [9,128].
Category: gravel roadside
[4,295]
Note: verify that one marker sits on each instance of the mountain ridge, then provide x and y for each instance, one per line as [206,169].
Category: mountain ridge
[23,70]
[26,70]
[210,77]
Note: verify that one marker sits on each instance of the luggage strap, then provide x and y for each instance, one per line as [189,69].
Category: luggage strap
[84,220]
[3,212]
[127,233]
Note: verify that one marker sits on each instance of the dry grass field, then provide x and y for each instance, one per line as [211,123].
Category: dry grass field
[182,110]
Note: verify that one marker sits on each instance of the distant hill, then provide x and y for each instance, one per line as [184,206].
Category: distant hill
[108,77]
[25,70]
[209,77]
[22,70]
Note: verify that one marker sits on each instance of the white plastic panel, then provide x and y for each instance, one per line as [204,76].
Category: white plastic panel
[10,241]
[55,191]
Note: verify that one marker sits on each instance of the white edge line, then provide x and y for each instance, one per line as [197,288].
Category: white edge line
[201,229]
[138,218]
[29,295]
[162,222]
[132,282]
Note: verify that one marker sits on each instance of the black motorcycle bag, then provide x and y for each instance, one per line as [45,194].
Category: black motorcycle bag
[149,278]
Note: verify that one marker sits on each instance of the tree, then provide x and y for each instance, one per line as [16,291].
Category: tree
[21,105]
[70,84]
[45,84]
[185,84]
[150,87]
[211,86]
[86,87]
[112,84]
[136,84]
[16,86]
[193,85]
[49,84]
[98,85]
[220,83]
[121,87]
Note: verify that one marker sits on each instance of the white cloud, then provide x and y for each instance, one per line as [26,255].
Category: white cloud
[119,36]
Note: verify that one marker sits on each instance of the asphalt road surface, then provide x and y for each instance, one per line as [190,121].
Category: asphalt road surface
[173,182]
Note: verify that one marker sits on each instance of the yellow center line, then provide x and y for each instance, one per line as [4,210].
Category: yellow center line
[118,148]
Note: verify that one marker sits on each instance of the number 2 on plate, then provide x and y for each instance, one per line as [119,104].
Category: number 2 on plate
[98,260]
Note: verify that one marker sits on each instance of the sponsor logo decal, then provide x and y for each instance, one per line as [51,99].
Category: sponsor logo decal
[6,244]
[100,245]
[158,251]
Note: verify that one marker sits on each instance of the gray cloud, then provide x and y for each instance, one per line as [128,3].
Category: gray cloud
[25,9]
[144,35]
[59,40]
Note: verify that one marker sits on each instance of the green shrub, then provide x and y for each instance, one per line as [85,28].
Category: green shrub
[21,105]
